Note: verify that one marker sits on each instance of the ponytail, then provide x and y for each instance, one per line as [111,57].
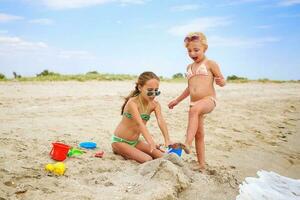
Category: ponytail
[133,93]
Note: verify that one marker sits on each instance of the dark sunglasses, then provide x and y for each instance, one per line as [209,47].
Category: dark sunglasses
[153,93]
[191,38]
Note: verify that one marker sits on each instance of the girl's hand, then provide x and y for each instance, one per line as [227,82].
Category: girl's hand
[220,81]
[167,143]
[172,104]
[161,147]
[152,147]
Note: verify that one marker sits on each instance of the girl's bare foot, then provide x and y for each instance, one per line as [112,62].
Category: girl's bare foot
[202,169]
[199,169]
[186,148]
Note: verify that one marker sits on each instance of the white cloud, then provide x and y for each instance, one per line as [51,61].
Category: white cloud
[241,42]
[264,26]
[238,2]
[126,2]
[42,21]
[186,7]
[71,54]
[7,18]
[70,4]
[288,2]
[28,58]
[16,43]
[200,24]
[9,45]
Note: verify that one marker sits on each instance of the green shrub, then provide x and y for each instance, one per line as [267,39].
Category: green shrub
[264,80]
[47,73]
[178,75]
[92,72]
[234,77]
[2,76]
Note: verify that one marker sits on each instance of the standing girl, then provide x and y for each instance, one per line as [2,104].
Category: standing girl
[201,75]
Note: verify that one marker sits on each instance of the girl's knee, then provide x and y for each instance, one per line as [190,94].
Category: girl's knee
[199,136]
[114,148]
[193,111]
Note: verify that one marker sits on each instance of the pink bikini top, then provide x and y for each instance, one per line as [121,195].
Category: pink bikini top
[202,70]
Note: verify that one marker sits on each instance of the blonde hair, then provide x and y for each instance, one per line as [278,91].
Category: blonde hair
[196,36]
[143,78]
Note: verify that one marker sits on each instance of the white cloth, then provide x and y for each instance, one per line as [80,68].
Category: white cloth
[269,186]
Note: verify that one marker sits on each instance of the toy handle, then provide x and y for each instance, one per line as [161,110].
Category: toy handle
[51,152]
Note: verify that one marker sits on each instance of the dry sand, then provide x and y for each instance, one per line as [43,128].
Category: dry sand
[255,126]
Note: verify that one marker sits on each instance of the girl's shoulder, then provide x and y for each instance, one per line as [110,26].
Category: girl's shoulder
[131,102]
[154,105]
[211,63]
[189,66]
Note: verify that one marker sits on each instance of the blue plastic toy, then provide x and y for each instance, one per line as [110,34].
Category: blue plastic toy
[88,145]
[177,151]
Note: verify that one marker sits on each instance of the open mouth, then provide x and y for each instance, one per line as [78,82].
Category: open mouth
[194,58]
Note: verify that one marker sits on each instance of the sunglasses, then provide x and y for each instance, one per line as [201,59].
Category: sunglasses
[191,38]
[153,93]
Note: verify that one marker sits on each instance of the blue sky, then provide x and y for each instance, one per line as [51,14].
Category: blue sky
[251,38]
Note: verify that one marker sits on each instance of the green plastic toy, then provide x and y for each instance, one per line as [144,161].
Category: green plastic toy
[74,152]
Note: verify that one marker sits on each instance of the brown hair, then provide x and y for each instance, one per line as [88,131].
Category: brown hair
[143,78]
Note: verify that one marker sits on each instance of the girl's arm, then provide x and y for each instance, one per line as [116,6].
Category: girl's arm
[162,123]
[133,109]
[176,101]
[215,69]
[184,95]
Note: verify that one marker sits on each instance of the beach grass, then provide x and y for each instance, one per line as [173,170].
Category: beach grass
[76,77]
[96,76]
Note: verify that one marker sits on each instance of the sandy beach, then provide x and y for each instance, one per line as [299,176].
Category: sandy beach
[254,126]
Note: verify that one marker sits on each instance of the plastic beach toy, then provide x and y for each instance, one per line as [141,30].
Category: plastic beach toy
[176,151]
[88,145]
[99,154]
[58,168]
[74,152]
[175,148]
[59,151]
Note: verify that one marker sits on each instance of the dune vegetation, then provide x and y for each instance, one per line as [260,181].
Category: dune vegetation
[47,75]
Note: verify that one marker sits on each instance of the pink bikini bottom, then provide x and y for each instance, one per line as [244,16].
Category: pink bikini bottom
[192,103]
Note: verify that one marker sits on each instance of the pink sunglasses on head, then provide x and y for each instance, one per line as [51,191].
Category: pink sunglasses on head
[191,38]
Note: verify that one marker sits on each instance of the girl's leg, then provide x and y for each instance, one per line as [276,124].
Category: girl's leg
[199,143]
[130,152]
[202,107]
[144,147]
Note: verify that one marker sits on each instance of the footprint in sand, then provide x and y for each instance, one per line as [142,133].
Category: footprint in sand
[291,161]
[108,183]
[272,143]
[10,183]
